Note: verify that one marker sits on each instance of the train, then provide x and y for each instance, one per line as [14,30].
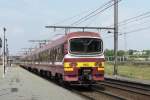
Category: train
[76,58]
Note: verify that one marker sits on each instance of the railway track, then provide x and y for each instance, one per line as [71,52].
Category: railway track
[126,90]
[115,90]
[89,93]
[133,85]
[95,94]
[85,92]
[110,89]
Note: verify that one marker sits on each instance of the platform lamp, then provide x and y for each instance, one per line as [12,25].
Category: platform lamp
[0,48]
[4,30]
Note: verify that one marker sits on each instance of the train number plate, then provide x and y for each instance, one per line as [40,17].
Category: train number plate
[86,65]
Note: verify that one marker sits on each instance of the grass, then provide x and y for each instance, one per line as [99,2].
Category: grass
[130,70]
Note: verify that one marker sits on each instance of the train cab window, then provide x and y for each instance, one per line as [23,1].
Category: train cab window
[86,45]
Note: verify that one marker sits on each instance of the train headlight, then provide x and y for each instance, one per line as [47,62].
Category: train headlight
[98,64]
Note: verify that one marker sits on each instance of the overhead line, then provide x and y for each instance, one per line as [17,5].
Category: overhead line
[88,16]
[143,14]
[73,27]
[132,31]
[67,19]
[135,20]
[92,12]
[98,12]
[126,21]
[70,18]
[136,30]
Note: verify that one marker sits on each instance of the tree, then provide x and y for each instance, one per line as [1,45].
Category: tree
[108,52]
[131,52]
[147,52]
[121,53]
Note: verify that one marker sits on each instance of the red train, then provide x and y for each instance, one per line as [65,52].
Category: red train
[76,58]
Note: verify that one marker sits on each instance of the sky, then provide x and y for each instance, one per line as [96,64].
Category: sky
[25,20]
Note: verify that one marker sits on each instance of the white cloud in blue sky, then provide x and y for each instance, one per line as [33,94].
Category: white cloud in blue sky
[25,20]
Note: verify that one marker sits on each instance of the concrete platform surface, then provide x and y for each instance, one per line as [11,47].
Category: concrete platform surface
[19,84]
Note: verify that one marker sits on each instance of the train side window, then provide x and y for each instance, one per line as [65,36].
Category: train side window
[65,50]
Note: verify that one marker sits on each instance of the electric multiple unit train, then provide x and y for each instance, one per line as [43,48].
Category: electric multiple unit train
[76,58]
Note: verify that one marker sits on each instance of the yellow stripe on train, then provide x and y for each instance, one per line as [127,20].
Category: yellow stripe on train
[83,64]
[68,69]
[66,64]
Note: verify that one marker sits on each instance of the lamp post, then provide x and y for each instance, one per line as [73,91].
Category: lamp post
[0,45]
[7,52]
[4,30]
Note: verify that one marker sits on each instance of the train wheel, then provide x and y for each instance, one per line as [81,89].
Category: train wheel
[90,86]
[29,68]
[66,84]
[36,71]
[49,75]
[60,80]
[56,77]
[41,73]
[45,73]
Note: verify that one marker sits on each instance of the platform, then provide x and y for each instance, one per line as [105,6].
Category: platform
[19,84]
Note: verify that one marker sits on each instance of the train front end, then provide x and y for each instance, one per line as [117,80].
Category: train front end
[84,63]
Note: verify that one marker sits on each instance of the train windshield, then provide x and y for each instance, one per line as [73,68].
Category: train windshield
[86,45]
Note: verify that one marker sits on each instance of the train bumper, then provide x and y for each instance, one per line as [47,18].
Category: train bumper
[70,78]
[84,75]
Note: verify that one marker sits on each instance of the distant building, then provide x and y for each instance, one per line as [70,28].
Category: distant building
[139,53]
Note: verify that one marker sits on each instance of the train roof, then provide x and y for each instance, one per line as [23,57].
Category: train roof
[63,39]
[80,34]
